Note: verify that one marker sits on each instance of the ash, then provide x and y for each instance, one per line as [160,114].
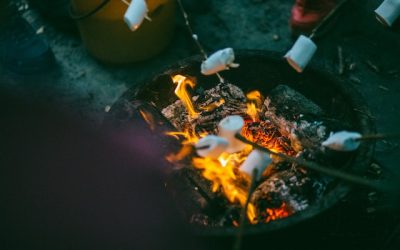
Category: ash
[296,189]
[289,122]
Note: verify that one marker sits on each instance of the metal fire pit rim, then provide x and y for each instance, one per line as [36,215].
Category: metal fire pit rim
[341,189]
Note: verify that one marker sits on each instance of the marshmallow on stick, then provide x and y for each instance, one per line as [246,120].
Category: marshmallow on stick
[343,141]
[388,12]
[136,12]
[256,160]
[228,128]
[220,60]
[211,146]
[301,53]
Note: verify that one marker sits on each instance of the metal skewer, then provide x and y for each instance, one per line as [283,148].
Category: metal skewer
[377,137]
[316,167]
[327,19]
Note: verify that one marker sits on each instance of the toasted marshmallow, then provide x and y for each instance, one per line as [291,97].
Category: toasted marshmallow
[211,146]
[135,14]
[301,53]
[343,141]
[220,60]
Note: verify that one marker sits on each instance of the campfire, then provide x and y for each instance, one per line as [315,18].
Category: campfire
[279,114]
[223,162]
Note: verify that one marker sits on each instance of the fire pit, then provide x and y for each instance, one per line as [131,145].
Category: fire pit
[284,111]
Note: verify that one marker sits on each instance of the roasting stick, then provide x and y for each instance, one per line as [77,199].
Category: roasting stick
[304,48]
[238,242]
[316,167]
[327,19]
[377,137]
[195,37]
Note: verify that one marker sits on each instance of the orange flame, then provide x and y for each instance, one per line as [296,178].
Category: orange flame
[255,101]
[181,91]
[223,174]
[213,105]
[189,136]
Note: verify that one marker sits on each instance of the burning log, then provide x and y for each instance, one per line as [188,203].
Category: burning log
[285,193]
[212,109]
[287,123]
[293,115]
[298,118]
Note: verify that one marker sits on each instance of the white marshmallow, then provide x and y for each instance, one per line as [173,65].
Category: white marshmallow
[256,160]
[217,146]
[228,128]
[343,141]
[136,12]
[220,60]
[388,12]
[301,53]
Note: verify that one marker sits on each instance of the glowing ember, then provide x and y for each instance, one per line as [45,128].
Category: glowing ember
[267,135]
[277,213]
[181,91]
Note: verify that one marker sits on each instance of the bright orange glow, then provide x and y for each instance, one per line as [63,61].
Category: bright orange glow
[189,138]
[182,154]
[256,97]
[224,177]
[268,136]
[277,213]
[255,101]
[251,213]
[181,91]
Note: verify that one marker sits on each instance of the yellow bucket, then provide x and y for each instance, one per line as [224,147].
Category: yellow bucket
[108,38]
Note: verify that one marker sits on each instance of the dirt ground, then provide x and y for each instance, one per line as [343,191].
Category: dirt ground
[88,87]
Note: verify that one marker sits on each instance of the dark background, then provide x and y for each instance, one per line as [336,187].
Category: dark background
[67,105]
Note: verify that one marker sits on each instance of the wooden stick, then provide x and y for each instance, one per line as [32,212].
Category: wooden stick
[203,147]
[189,27]
[195,37]
[316,167]
[377,137]
[239,237]
[327,18]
